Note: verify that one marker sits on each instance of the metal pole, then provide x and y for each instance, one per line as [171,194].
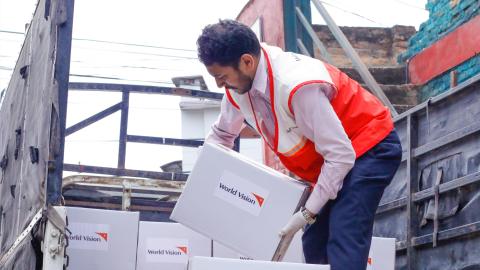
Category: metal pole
[302,47]
[323,50]
[412,185]
[352,54]
[123,130]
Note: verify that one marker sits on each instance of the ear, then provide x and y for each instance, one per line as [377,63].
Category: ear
[248,62]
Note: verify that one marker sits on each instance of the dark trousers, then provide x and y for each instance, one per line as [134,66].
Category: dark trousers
[342,234]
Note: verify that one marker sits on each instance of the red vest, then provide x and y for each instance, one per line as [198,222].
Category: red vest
[365,119]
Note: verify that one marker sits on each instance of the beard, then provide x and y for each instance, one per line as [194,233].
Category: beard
[245,84]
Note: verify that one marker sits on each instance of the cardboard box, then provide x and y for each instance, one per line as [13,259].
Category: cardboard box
[164,245]
[102,239]
[238,202]
[294,253]
[382,254]
[204,263]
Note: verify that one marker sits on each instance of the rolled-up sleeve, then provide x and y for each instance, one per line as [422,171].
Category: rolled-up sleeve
[316,119]
[228,125]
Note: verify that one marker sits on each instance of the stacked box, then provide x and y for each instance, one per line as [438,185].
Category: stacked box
[205,263]
[102,239]
[164,245]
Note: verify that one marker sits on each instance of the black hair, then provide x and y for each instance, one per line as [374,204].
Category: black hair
[225,42]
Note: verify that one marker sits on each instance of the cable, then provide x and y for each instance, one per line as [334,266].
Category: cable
[115,78]
[142,53]
[113,42]
[11,32]
[351,12]
[409,5]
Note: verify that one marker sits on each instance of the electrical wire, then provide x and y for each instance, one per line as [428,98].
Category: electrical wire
[351,12]
[409,5]
[116,78]
[113,42]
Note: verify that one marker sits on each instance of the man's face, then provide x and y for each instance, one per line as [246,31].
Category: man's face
[238,79]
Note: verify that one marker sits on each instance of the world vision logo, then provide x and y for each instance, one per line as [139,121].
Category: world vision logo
[89,236]
[167,250]
[180,251]
[259,198]
[103,235]
[255,199]
[241,192]
[183,249]
[99,237]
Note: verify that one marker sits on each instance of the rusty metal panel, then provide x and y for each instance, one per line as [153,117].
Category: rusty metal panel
[33,104]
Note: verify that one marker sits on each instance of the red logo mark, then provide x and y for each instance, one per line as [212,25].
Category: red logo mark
[103,235]
[183,249]
[369,261]
[259,198]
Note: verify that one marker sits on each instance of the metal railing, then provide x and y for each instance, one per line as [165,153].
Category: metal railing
[346,46]
[124,137]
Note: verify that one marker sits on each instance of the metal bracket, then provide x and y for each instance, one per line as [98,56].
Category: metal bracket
[436,190]
[55,238]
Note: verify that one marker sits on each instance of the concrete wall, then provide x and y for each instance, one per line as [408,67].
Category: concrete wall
[270,12]
[196,124]
[376,46]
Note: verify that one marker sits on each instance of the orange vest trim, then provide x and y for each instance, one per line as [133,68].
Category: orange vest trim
[229,97]
[272,97]
[296,88]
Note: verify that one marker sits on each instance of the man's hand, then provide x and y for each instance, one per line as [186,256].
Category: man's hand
[296,222]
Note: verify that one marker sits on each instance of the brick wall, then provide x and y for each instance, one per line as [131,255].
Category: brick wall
[376,46]
[457,44]
[445,16]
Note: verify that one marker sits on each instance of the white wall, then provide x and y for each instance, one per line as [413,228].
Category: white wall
[197,124]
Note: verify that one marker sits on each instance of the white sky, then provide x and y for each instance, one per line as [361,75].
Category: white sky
[170,24]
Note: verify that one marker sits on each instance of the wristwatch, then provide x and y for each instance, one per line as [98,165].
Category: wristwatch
[310,220]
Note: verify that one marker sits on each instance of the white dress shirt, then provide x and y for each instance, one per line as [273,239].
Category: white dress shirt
[315,118]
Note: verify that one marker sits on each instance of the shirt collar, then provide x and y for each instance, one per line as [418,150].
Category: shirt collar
[260,80]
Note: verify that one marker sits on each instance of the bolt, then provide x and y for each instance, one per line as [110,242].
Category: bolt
[54,233]
[53,251]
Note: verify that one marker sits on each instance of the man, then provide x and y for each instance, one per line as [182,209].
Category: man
[322,125]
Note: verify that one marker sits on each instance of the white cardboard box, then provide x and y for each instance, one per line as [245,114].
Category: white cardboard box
[238,202]
[382,254]
[204,263]
[102,239]
[294,253]
[163,245]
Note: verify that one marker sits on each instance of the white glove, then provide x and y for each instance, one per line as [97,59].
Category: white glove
[296,222]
